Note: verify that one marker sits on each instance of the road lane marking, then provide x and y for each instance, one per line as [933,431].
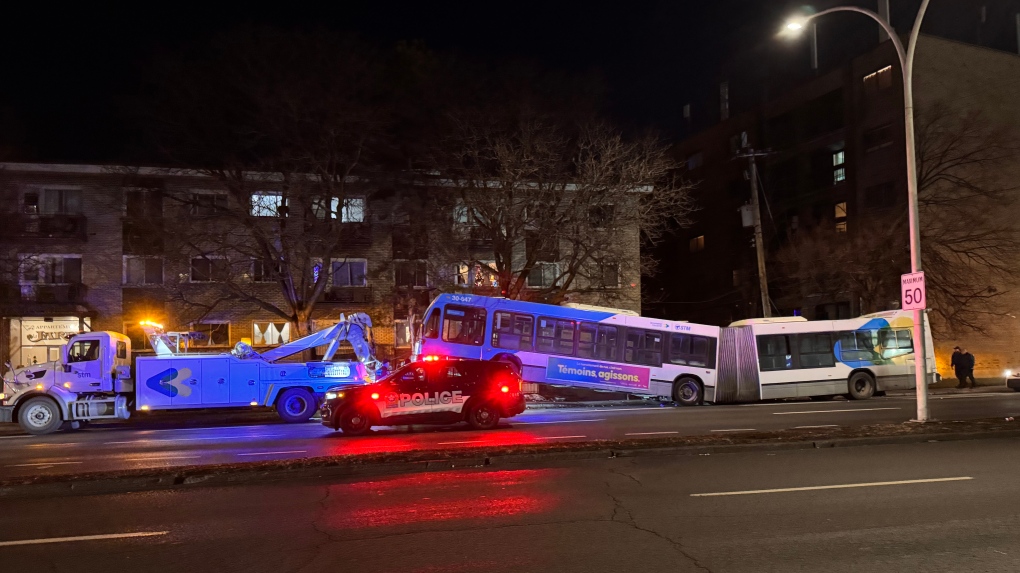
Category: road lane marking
[273,453]
[52,445]
[558,437]
[840,486]
[161,458]
[649,433]
[15,437]
[819,426]
[82,538]
[143,440]
[42,464]
[737,430]
[562,421]
[830,411]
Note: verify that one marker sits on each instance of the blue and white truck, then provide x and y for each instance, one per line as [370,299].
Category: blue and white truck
[98,378]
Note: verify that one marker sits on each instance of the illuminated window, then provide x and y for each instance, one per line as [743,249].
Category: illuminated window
[880,80]
[841,210]
[840,226]
[266,204]
[838,158]
[839,174]
[697,244]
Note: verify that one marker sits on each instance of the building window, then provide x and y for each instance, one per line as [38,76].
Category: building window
[50,269]
[878,138]
[401,334]
[878,81]
[209,270]
[602,216]
[143,204]
[838,175]
[143,270]
[350,273]
[841,210]
[838,158]
[263,273]
[207,204]
[607,275]
[53,202]
[267,204]
[697,244]
[411,274]
[880,196]
[268,333]
[724,101]
[462,214]
[544,275]
[354,210]
[211,333]
[840,226]
[477,275]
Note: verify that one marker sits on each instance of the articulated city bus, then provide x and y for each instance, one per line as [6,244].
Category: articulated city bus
[593,347]
[607,349]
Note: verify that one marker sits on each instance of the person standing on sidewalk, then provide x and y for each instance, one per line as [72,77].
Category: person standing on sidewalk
[968,363]
[958,368]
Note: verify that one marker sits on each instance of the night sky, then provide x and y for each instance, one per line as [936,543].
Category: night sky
[68,71]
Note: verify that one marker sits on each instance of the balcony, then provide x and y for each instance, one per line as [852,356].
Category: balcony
[69,293]
[20,226]
[348,295]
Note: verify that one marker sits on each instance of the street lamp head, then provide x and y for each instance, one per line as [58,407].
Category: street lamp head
[795,25]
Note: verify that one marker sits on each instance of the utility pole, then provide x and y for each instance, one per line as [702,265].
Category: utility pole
[763,280]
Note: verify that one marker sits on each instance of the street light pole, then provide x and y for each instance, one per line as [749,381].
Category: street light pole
[906,57]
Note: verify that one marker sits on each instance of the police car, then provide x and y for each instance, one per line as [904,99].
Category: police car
[430,391]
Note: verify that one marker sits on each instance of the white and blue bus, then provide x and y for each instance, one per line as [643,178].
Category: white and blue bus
[607,349]
[591,347]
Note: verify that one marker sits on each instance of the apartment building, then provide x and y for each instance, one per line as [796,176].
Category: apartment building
[105,247]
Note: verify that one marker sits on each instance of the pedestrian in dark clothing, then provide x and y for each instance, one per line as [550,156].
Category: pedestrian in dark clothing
[968,363]
[958,368]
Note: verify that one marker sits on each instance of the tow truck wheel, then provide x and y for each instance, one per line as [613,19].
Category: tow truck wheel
[483,416]
[40,416]
[296,405]
[354,422]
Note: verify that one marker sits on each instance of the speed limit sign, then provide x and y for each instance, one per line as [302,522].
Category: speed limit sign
[912,296]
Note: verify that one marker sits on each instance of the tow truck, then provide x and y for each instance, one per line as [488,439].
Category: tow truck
[93,378]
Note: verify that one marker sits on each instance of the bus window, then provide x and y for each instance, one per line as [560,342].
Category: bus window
[774,353]
[555,336]
[857,346]
[904,339]
[895,342]
[586,334]
[432,324]
[464,325]
[692,350]
[512,331]
[606,343]
[644,347]
[816,350]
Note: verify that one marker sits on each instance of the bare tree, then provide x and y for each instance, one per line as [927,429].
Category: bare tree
[290,126]
[542,207]
[970,246]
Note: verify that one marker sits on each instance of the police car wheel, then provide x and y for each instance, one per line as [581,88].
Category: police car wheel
[483,416]
[354,422]
[40,416]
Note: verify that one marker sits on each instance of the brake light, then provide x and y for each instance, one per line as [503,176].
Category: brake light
[504,389]
[375,395]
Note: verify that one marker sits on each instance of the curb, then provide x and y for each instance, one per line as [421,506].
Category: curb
[348,466]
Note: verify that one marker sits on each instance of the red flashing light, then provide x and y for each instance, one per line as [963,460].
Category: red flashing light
[375,395]
[431,358]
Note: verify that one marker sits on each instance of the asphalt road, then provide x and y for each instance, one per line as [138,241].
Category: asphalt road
[936,507]
[127,446]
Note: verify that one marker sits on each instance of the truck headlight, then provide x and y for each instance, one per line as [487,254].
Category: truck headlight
[331,395]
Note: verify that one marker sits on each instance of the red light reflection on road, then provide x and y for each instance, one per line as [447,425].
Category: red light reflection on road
[402,442]
[441,496]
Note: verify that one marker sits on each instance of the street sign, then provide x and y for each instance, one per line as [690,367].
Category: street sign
[912,295]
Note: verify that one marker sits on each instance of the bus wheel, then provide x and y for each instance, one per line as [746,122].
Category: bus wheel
[861,386]
[512,361]
[687,392]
